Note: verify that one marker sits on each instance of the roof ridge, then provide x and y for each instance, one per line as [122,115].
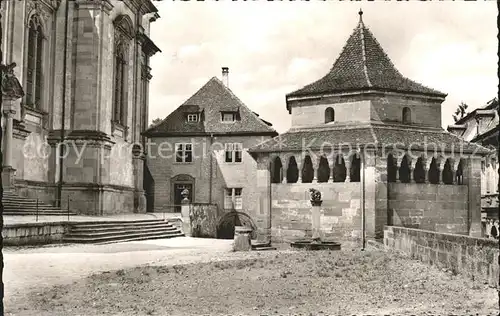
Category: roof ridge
[361,27]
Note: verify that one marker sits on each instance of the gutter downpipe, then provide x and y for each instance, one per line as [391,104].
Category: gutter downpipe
[63,114]
[363,220]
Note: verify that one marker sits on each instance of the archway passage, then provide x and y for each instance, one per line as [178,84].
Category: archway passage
[227,223]
[447,172]
[323,170]
[292,172]
[355,173]
[277,175]
[391,168]
[404,171]
[433,173]
[339,169]
[307,170]
[419,172]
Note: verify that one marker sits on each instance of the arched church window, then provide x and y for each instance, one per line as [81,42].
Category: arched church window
[419,172]
[355,173]
[406,115]
[447,172]
[391,168]
[34,63]
[339,169]
[123,36]
[292,172]
[307,170]
[329,115]
[277,171]
[404,170]
[323,170]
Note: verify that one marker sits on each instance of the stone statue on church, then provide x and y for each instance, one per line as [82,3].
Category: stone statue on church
[11,88]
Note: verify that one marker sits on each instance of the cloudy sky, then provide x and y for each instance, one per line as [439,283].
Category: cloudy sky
[273,48]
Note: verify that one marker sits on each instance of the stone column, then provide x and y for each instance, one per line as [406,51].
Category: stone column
[8,172]
[411,167]
[440,165]
[185,210]
[138,158]
[298,160]
[262,216]
[284,169]
[347,162]
[456,162]
[331,165]
[315,163]
[427,165]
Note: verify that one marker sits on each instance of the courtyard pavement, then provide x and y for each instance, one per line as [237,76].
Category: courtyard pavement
[30,269]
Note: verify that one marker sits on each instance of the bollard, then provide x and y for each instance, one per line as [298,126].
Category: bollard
[242,238]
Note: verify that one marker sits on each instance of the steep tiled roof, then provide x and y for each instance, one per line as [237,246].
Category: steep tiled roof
[363,65]
[209,101]
[374,135]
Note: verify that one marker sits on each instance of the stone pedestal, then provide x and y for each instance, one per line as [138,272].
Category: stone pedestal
[242,238]
[186,220]
[316,225]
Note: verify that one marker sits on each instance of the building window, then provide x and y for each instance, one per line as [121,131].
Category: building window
[329,115]
[34,77]
[192,118]
[184,152]
[120,84]
[406,115]
[232,199]
[233,152]
[228,116]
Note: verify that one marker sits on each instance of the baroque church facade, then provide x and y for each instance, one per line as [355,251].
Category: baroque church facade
[84,69]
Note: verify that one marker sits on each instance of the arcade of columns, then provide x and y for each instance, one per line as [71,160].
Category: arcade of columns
[424,168]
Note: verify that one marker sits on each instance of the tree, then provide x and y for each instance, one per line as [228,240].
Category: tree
[460,112]
[155,122]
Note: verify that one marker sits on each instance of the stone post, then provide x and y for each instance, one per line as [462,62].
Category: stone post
[242,238]
[472,177]
[316,220]
[8,172]
[185,210]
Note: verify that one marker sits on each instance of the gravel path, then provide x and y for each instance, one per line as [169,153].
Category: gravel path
[255,283]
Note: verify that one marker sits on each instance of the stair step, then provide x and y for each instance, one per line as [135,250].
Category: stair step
[34,214]
[115,223]
[120,232]
[119,227]
[179,234]
[121,237]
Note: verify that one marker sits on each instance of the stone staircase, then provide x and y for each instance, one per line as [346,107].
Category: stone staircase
[119,231]
[14,204]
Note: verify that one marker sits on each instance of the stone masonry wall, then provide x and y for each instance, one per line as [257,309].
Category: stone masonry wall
[291,210]
[471,256]
[434,207]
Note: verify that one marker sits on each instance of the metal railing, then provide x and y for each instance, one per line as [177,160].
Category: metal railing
[52,205]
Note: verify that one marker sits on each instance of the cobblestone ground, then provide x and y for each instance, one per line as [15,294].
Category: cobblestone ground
[102,280]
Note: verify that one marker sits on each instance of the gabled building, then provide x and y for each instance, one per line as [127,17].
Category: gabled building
[201,146]
[481,126]
[371,141]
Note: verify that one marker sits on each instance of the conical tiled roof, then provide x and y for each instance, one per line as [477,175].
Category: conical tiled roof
[363,65]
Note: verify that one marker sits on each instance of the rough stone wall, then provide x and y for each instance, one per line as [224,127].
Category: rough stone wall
[389,108]
[232,175]
[364,108]
[470,256]
[204,219]
[435,207]
[291,210]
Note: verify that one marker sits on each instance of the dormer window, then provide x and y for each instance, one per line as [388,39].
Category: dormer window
[192,118]
[229,116]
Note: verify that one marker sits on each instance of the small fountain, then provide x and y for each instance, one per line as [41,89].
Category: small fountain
[316,243]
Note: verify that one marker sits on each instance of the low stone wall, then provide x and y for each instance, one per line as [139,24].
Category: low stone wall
[291,210]
[471,256]
[436,207]
[33,233]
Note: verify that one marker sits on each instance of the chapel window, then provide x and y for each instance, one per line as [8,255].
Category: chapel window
[34,75]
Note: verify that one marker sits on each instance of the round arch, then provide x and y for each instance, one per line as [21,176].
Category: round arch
[227,222]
